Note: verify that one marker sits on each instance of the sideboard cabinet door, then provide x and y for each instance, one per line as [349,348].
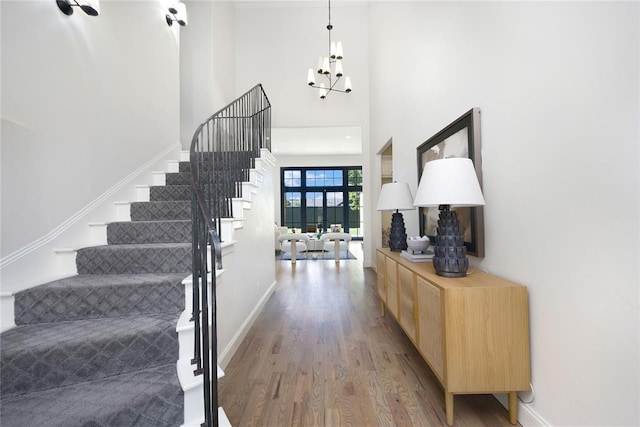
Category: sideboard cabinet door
[407,301]
[382,273]
[430,326]
[392,286]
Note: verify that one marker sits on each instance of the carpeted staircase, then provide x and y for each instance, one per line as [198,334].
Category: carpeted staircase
[100,348]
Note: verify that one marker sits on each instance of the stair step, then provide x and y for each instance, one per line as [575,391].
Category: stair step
[168,231]
[141,258]
[50,355]
[178,178]
[234,160]
[170,192]
[93,296]
[150,397]
[156,211]
[184,178]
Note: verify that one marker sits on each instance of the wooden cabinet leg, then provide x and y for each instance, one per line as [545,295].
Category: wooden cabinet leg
[448,407]
[513,407]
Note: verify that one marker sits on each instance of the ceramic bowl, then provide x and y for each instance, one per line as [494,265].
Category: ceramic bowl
[417,244]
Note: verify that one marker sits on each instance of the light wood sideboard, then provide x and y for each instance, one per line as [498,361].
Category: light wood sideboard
[473,332]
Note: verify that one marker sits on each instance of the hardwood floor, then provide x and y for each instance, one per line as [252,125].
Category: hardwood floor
[320,354]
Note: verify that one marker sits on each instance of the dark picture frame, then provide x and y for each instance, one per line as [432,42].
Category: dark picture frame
[461,138]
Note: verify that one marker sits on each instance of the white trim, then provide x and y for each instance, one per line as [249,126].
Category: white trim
[527,416]
[229,351]
[25,250]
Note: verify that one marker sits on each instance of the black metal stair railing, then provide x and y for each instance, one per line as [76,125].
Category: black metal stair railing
[223,151]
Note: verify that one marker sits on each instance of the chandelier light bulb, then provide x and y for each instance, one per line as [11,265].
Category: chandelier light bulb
[339,54]
[339,71]
[332,50]
[323,91]
[326,67]
[311,80]
[320,65]
[347,84]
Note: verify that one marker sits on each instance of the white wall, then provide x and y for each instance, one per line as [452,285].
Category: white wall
[249,277]
[558,87]
[85,101]
[207,64]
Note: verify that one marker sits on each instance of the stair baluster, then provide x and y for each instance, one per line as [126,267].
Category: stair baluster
[222,153]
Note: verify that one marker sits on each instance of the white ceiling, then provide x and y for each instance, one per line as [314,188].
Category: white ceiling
[328,140]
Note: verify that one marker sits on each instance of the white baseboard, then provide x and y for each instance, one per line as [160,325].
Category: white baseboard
[527,416]
[225,356]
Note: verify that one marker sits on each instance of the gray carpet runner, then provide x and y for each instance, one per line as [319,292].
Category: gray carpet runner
[100,348]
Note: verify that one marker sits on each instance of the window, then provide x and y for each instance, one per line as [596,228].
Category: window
[314,199]
[292,209]
[292,178]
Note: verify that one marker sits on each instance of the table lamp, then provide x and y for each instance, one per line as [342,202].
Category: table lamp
[446,183]
[396,196]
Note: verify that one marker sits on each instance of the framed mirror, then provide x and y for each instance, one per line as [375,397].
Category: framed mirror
[461,138]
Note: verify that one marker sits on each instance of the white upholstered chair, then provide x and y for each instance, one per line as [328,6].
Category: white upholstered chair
[294,243]
[336,242]
[279,231]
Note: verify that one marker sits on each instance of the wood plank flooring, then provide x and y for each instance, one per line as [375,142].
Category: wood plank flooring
[320,354]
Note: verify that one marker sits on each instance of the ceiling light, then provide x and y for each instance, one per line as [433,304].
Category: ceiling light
[330,68]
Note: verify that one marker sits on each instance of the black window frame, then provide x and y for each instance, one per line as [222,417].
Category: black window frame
[345,188]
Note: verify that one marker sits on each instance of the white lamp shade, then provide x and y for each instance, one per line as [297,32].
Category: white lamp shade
[311,80]
[450,181]
[339,70]
[326,68]
[322,91]
[339,54]
[395,195]
[347,84]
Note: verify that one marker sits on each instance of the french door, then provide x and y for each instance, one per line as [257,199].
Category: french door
[316,200]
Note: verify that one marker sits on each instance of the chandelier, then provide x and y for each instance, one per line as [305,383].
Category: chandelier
[330,68]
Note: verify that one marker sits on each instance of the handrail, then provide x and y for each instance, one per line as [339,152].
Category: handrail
[223,151]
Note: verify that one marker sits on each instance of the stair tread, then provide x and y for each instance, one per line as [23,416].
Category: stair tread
[89,296]
[91,280]
[135,258]
[152,221]
[43,335]
[50,355]
[140,246]
[161,210]
[103,402]
[149,231]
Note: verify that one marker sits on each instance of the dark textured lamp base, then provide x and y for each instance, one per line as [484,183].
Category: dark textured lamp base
[450,254]
[398,236]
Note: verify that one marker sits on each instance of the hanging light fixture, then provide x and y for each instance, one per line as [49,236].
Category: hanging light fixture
[330,67]
[177,13]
